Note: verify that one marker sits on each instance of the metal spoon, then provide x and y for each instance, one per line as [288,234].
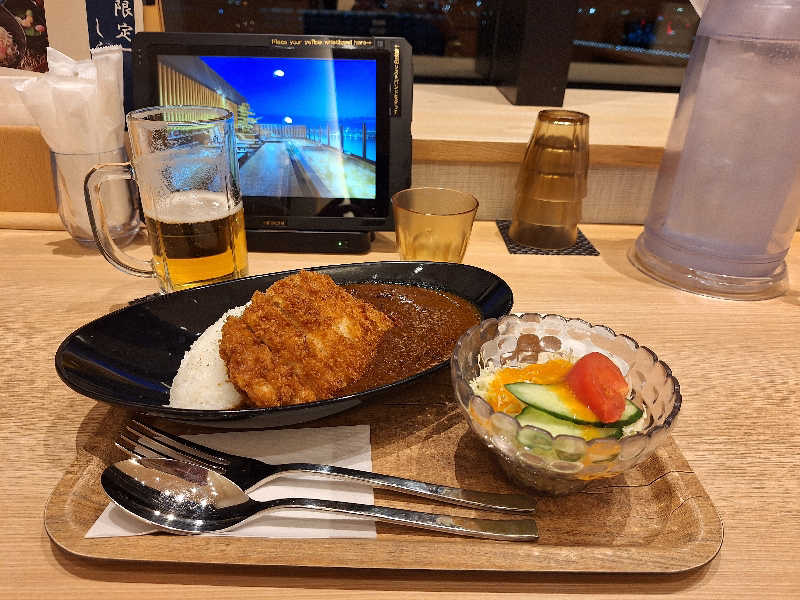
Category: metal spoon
[186,498]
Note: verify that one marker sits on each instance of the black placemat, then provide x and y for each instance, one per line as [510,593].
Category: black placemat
[581,247]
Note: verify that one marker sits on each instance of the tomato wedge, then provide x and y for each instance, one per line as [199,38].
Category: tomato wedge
[597,382]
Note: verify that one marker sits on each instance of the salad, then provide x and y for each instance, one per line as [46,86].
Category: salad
[589,398]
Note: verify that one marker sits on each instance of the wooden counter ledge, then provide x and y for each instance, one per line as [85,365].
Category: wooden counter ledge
[454,123]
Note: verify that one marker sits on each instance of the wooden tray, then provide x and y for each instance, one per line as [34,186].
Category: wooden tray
[656,518]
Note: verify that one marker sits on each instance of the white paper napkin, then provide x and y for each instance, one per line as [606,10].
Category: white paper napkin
[340,446]
[78,104]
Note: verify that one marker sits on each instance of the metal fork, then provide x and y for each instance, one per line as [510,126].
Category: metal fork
[142,440]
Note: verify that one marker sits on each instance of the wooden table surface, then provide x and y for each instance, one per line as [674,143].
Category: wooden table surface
[739,425]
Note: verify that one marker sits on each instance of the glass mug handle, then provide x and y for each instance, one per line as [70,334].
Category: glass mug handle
[94,206]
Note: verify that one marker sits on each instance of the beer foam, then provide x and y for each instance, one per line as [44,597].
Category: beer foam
[192,206]
[202,380]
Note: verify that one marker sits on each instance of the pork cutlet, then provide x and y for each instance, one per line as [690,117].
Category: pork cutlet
[302,340]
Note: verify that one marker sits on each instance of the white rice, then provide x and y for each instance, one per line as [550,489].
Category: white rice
[202,379]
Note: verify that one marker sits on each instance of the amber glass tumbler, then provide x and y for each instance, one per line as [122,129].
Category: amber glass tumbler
[551,184]
[433,223]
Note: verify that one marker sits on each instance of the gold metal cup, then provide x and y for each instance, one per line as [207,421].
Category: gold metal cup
[551,184]
[433,223]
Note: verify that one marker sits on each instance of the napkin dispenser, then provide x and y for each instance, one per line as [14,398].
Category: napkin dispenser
[77,106]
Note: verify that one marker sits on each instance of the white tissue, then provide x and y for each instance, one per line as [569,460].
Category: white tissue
[110,91]
[78,105]
[61,65]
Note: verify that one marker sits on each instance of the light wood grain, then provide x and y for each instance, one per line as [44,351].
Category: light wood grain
[455,151]
[476,124]
[656,518]
[482,114]
[45,221]
[737,364]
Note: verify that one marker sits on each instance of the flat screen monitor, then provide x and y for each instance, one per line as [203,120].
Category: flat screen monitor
[322,132]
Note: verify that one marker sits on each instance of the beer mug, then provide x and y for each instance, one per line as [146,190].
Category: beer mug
[183,159]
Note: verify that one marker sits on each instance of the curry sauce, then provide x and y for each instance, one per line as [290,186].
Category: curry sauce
[427,325]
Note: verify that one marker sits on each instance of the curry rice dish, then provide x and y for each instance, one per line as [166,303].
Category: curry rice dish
[307,339]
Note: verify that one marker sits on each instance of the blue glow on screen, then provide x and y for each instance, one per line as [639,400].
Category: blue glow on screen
[309,91]
[305,127]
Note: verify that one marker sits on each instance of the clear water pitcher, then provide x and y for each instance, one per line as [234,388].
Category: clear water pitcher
[727,197]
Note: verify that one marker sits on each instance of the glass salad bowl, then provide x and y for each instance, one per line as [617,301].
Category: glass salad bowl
[531,456]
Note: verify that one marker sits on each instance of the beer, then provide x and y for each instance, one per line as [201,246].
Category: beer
[197,237]
[196,234]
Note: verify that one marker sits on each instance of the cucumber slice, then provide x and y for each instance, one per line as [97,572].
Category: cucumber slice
[549,399]
[631,414]
[556,426]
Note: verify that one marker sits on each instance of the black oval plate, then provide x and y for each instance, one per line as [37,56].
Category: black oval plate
[130,357]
